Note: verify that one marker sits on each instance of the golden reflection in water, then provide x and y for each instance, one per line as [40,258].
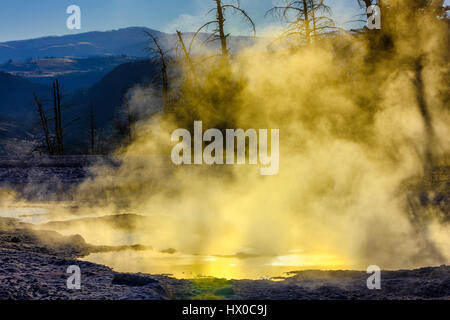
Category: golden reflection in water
[192,266]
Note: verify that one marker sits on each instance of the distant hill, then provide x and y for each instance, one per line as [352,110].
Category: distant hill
[131,41]
[17,112]
[107,94]
[81,60]
[16,95]
[74,73]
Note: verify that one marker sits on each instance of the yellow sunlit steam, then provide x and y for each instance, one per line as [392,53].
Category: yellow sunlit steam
[351,136]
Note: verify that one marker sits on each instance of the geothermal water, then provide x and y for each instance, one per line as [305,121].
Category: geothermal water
[173,263]
[192,266]
[355,155]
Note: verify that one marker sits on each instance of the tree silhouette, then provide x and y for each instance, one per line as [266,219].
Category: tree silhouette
[365,4]
[187,54]
[54,141]
[307,20]
[158,50]
[219,33]
[92,128]
[43,122]
[58,118]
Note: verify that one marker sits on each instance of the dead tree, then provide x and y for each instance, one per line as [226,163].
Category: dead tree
[306,19]
[131,122]
[58,118]
[44,125]
[365,4]
[425,113]
[187,54]
[54,141]
[164,63]
[92,128]
[219,32]
[221,27]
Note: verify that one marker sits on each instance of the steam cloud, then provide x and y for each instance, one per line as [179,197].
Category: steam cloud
[353,147]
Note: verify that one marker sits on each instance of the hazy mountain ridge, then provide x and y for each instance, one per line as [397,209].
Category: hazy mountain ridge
[107,94]
[74,73]
[16,95]
[83,59]
[131,41]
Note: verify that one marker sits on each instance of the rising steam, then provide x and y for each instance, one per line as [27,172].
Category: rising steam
[353,153]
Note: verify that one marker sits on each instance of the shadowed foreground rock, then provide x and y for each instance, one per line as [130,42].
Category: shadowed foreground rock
[33,265]
[24,275]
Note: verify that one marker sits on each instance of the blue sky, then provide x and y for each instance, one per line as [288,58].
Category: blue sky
[25,19]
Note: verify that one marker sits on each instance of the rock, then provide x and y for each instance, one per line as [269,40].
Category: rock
[169,251]
[227,291]
[132,280]
[15,240]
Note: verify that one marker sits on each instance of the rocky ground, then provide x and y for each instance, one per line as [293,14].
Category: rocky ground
[45,178]
[34,267]
[34,261]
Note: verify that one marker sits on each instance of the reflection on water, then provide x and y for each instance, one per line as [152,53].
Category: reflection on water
[40,212]
[177,264]
[193,266]
[30,214]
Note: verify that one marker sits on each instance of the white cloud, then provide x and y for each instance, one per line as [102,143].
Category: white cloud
[185,23]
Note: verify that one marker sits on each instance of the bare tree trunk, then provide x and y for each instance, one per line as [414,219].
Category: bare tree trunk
[165,84]
[131,122]
[221,26]
[58,95]
[92,128]
[44,125]
[314,20]
[165,77]
[186,53]
[57,113]
[425,113]
[307,21]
